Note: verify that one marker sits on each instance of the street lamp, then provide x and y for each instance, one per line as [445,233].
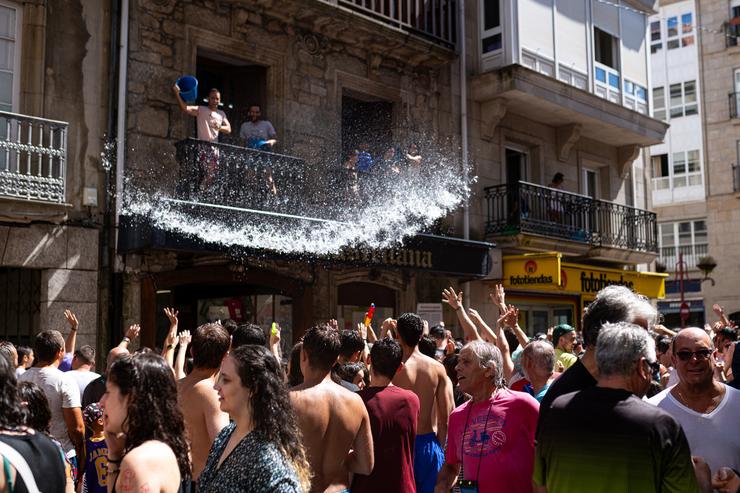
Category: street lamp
[707,265]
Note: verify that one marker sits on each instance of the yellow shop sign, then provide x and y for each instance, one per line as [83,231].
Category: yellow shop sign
[546,272]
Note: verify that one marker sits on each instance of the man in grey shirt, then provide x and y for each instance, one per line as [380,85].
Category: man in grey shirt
[257,133]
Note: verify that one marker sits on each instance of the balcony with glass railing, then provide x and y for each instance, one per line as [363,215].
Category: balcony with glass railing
[33,158]
[669,256]
[519,213]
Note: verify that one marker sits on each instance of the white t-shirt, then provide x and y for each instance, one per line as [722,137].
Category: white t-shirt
[82,378]
[62,392]
[20,371]
[207,120]
[714,436]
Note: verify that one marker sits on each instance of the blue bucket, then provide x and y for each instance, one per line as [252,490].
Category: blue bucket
[188,88]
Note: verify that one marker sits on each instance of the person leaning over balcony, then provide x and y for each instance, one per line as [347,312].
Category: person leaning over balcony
[210,121]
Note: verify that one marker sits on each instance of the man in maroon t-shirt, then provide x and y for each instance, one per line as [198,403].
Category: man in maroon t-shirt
[393,415]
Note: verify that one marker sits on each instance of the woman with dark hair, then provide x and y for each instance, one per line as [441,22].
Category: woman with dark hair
[261,449]
[35,406]
[20,445]
[144,427]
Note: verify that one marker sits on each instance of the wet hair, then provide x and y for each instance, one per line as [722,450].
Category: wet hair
[47,345]
[11,414]
[86,354]
[321,344]
[428,346]
[620,346]
[662,344]
[229,325]
[295,376]
[489,356]
[35,406]
[248,334]
[386,357]
[273,414]
[210,345]
[615,304]
[727,333]
[348,371]
[9,352]
[213,89]
[350,343]
[437,332]
[153,412]
[410,328]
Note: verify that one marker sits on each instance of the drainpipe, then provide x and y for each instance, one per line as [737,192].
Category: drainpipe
[464,114]
[121,124]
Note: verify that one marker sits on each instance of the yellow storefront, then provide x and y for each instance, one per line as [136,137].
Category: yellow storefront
[548,291]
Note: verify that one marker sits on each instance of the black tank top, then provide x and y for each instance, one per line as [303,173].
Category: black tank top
[44,458]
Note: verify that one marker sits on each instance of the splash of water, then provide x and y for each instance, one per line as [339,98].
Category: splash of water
[378,212]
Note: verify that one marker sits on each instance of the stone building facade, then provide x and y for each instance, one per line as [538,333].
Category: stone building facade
[51,218]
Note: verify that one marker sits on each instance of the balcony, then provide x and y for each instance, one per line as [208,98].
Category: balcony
[529,218]
[732,32]
[544,99]
[33,158]
[435,20]
[691,255]
[734,100]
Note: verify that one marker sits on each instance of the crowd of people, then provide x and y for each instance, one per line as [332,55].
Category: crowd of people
[623,404]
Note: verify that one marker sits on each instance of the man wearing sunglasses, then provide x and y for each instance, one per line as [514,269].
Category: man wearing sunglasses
[708,410]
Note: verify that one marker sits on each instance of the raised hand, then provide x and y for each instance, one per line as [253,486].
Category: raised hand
[387,328]
[475,316]
[133,332]
[333,324]
[72,319]
[451,298]
[362,330]
[171,315]
[275,335]
[498,297]
[184,338]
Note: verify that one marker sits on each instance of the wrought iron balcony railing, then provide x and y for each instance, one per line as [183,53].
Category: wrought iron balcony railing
[528,208]
[734,104]
[33,158]
[432,19]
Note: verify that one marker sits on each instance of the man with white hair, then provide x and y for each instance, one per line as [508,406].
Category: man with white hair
[491,435]
[623,443]
[612,304]
[708,410]
[538,359]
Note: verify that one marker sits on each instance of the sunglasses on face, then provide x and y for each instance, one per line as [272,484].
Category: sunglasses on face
[701,354]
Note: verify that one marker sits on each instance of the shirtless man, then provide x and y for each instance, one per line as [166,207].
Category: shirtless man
[333,420]
[198,399]
[426,377]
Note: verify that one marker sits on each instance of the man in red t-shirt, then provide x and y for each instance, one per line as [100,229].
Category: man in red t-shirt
[393,415]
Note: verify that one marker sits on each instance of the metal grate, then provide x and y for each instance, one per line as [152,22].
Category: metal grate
[20,301]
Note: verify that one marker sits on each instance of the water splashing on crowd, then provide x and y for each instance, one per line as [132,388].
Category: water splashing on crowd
[242,198]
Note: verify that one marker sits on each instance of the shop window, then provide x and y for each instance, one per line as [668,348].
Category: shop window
[491,31]
[20,301]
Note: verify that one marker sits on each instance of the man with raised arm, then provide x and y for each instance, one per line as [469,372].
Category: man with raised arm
[333,420]
[427,378]
[198,399]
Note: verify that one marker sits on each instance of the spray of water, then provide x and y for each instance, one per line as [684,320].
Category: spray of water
[317,216]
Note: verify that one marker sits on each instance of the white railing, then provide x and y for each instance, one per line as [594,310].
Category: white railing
[538,62]
[33,158]
[691,255]
[678,181]
[573,77]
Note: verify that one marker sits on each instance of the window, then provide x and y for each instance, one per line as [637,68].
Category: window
[686,169]
[660,165]
[687,238]
[8,57]
[672,41]
[687,30]
[491,32]
[656,42]
[605,49]
[683,99]
[659,103]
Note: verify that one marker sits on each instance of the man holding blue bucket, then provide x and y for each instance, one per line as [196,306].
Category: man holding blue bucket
[210,121]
